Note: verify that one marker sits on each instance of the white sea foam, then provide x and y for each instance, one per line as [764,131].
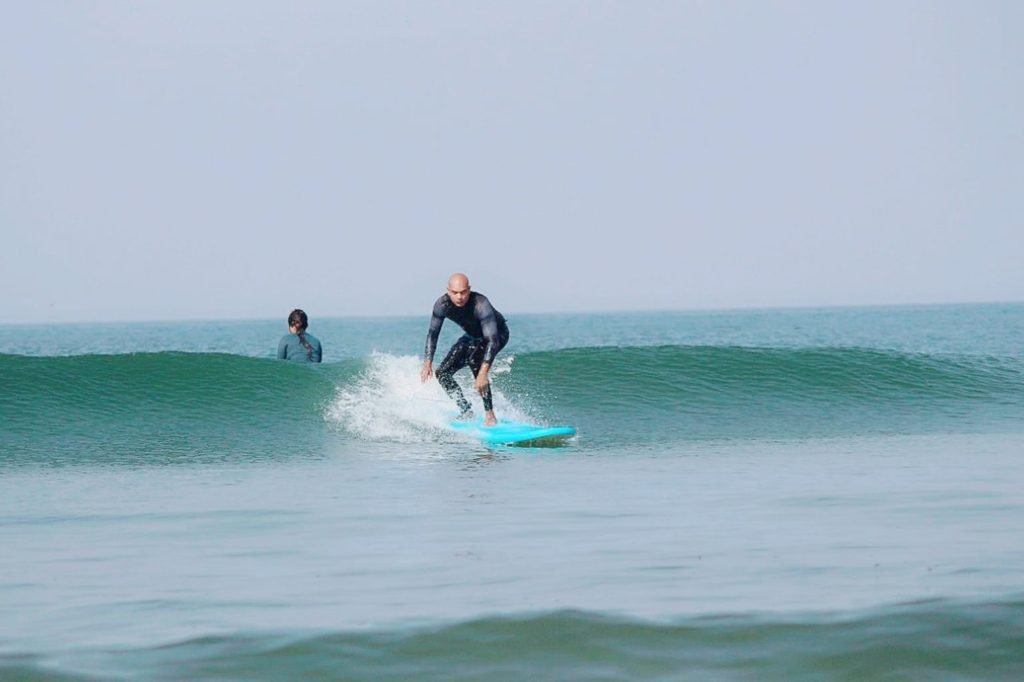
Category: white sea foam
[387,401]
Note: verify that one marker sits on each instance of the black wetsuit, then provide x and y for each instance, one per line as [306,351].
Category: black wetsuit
[486,334]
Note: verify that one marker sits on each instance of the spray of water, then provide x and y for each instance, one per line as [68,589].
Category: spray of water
[387,401]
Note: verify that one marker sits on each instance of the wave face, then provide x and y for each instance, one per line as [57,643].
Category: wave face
[938,640]
[702,392]
[186,405]
[159,406]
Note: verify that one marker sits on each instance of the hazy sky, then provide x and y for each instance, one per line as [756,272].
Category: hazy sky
[204,159]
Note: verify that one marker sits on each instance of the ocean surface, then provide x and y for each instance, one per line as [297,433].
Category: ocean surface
[813,494]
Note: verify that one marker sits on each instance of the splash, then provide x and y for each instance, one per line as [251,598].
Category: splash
[387,401]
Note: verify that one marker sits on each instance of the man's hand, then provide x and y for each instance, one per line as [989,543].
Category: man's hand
[482,382]
[427,371]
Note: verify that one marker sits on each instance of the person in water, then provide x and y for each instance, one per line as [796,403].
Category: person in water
[485,334]
[298,345]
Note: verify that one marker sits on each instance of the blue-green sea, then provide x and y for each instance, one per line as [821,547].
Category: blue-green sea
[799,494]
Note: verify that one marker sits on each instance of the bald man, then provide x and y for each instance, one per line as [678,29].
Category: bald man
[485,334]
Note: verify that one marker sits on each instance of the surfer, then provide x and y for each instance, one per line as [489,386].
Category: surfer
[298,345]
[485,334]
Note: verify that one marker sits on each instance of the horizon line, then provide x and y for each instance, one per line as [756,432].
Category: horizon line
[608,311]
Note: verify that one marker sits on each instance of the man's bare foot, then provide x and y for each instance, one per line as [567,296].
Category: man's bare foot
[490,419]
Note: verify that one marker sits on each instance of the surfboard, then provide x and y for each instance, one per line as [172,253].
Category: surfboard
[515,433]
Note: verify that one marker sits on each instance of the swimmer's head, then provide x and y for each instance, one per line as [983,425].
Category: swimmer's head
[297,318]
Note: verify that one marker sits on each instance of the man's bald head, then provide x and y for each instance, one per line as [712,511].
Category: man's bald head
[458,280]
[458,289]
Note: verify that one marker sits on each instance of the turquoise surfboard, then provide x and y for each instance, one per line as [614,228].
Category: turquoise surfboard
[514,433]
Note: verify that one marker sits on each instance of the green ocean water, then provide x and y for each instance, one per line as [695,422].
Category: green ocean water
[789,494]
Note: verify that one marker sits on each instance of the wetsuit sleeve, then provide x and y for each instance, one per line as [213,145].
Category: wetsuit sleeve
[282,348]
[436,320]
[484,312]
[318,352]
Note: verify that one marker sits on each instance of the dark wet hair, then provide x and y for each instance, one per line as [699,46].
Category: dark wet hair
[298,318]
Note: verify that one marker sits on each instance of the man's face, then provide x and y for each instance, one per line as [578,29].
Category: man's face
[458,292]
